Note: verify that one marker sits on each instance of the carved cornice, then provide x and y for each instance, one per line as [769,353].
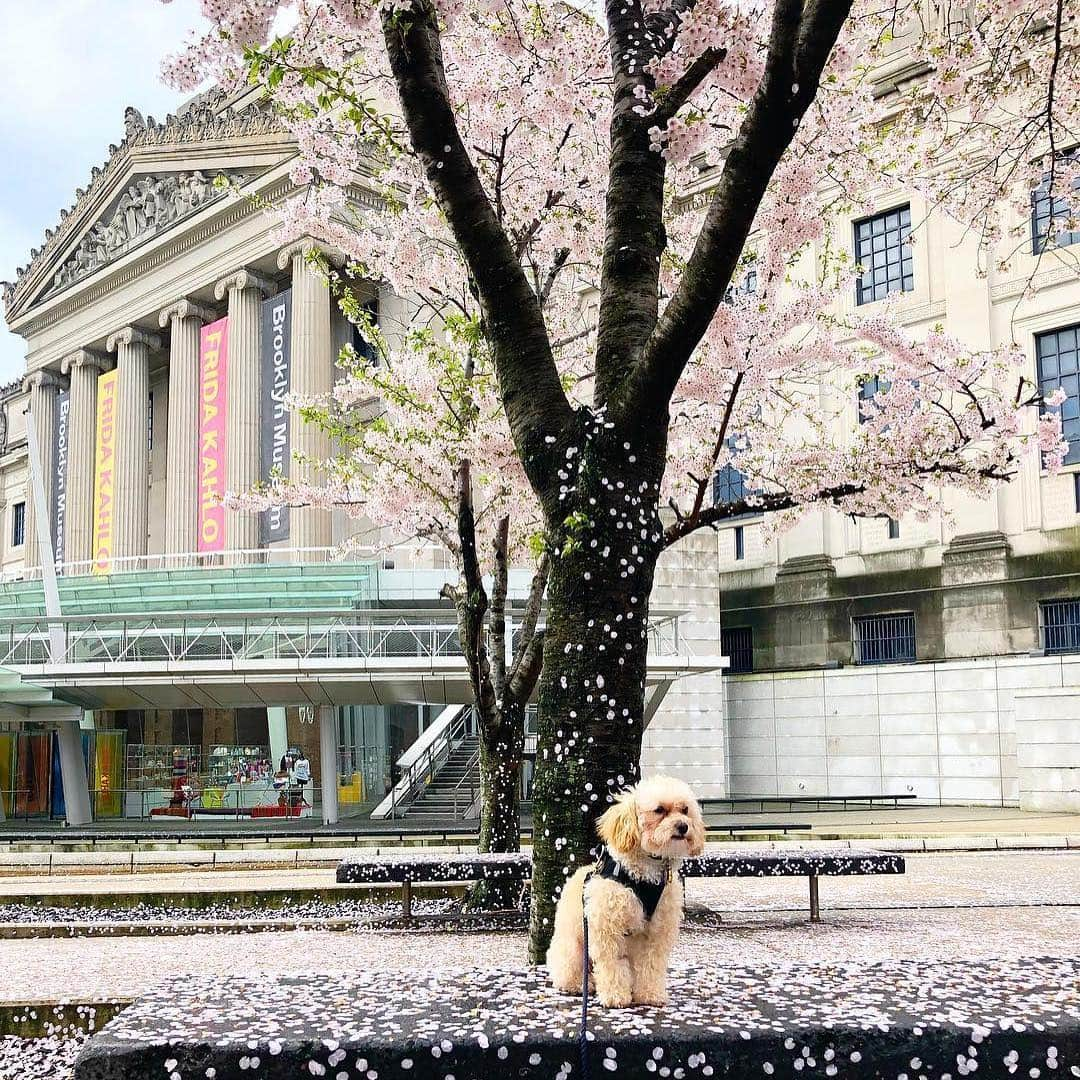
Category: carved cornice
[85,358]
[44,379]
[132,335]
[207,119]
[244,279]
[155,256]
[143,209]
[185,309]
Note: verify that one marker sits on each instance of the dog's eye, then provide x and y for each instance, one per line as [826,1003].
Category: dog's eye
[684,810]
[660,810]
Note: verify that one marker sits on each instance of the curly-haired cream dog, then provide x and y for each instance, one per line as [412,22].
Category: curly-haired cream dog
[633,896]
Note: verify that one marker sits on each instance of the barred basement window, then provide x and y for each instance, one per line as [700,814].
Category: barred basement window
[883,250]
[1059,621]
[737,644]
[884,639]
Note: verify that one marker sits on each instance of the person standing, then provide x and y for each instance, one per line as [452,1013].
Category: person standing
[302,775]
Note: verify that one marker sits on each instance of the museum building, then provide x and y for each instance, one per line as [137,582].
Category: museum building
[187,652]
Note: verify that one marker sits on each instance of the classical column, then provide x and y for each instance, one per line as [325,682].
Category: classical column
[242,464]
[44,388]
[185,319]
[132,346]
[312,375]
[82,369]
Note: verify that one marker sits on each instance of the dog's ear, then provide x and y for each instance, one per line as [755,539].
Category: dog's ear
[697,829]
[618,824]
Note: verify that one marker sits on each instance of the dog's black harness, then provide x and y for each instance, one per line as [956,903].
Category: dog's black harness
[647,892]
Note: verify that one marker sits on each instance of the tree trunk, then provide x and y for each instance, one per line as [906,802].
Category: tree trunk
[501,748]
[592,686]
[500,783]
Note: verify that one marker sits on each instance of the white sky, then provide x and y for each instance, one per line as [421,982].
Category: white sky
[68,68]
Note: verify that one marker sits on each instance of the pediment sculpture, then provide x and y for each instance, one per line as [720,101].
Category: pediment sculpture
[147,206]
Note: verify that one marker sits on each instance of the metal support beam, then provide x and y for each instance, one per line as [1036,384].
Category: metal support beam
[654,696]
[328,763]
[77,810]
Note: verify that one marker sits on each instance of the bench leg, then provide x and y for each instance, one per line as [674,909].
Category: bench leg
[406,900]
[815,909]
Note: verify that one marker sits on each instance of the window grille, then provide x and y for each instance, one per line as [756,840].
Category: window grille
[884,639]
[1060,622]
[1056,357]
[883,250]
[894,529]
[737,644]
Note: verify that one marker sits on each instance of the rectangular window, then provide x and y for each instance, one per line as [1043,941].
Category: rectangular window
[1049,216]
[894,529]
[1056,359]
[363,348]
[1060,623]
[869,387]
[740,543]
[884,639]
[883,251]
[18,524]
[729,486]
[737,644]
[1076,491]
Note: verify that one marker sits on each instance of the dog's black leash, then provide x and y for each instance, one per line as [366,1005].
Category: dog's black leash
[584,1042]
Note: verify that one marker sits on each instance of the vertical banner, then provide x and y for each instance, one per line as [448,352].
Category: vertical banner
[60,476]
[274,428]
[105,472]
[213,385]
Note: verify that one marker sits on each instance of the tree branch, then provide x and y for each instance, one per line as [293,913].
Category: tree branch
[532,394]
[681,92]
[498,608]
[799,45]
[634,234]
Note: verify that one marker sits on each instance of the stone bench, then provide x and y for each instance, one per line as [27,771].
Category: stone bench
[1007,1019]
[433,868]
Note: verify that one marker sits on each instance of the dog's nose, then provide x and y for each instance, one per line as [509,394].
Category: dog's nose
[682,828]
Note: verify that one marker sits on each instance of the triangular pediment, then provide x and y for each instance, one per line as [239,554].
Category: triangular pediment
[162,175]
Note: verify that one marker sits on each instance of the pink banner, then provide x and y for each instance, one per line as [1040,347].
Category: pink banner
[213,383]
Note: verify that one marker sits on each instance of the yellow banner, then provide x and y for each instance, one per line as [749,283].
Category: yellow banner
[105,472]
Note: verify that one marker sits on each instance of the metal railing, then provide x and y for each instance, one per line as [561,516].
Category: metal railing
[243,636]
[423,771]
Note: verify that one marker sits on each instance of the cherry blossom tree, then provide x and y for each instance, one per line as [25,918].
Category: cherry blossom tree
[640,209]
[424,453]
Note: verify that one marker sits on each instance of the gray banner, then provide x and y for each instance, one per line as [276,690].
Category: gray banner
[60,476]
[274,435]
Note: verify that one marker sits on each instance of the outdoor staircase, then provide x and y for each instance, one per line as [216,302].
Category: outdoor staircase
[454,788]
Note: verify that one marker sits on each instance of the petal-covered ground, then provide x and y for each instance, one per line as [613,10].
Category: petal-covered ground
[950,906]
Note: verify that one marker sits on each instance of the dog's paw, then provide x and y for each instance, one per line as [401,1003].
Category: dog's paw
[615,1000]
[658,999]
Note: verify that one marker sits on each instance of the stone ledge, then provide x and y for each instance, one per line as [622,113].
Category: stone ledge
[1004,1018]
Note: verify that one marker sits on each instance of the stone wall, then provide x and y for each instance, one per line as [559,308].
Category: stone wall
[1048,749]
[942,731]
